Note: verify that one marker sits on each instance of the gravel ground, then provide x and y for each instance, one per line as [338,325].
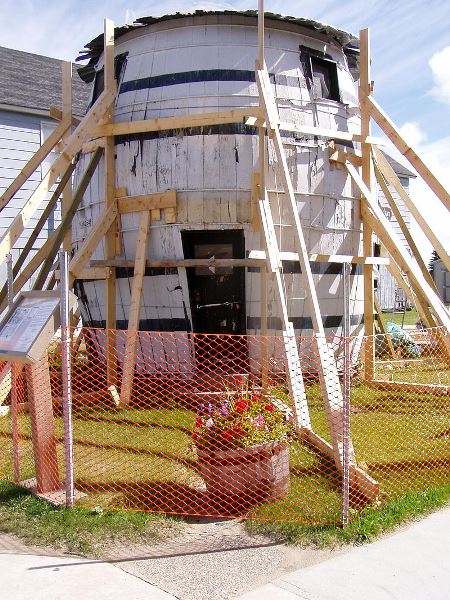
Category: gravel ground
[217,560]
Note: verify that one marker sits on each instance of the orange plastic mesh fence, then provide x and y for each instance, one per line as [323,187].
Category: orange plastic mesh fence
[196,424]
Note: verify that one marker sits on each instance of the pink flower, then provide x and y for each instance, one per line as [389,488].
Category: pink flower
[209,423]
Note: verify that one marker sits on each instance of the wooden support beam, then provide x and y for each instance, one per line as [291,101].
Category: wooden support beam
[328,375]
[328,258]
[396,138]
[42,425]
[92,240]
[393,244]
[60,165]
[392,179]
[236,115]
[135,309]
[358,478]
[52,242]
[92,145]
[405,229]
[179,262]
[337,155]
[146,202]
[66,222]
[364,90]
[310,130]
[112,239]
[39,225]
[34,162]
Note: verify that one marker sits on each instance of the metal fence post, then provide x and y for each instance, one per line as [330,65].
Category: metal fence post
[346,407]
[66,377]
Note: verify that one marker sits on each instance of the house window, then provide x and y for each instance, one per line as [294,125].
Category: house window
[321,74]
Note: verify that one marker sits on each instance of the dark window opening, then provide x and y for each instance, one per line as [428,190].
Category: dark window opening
[99,81]
[377,249]
[321,74]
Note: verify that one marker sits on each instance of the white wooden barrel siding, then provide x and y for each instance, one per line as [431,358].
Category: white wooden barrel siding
[211,170]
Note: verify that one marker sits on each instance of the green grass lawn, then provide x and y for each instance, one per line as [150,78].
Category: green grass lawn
[409,317]
[143,459]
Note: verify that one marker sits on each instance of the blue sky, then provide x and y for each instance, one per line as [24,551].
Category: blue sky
[410,50]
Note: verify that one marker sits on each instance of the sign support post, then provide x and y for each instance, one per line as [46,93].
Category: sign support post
[66,377]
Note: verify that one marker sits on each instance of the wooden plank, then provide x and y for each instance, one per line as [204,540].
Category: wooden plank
[112,234]
[67,115]
[328,258]
[178,122]
[364,91]
[92,145]
[179,262]
[359,478]
[135,309]
[93,239]
[146,202]
[396,138]
[34,162]
[323,132]
[389,238]
[391,177]
[328,376]
[42,425]
[66,222]
[39,225]
[72,146]
[405,229]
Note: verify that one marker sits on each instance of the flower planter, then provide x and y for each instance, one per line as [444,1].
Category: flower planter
[259,472]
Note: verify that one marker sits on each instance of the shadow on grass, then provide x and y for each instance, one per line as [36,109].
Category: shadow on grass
[173,498]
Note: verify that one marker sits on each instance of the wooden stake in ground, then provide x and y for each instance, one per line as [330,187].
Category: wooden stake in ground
[135,309]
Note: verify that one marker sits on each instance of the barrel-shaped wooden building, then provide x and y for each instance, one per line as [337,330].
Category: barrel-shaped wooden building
[205,62]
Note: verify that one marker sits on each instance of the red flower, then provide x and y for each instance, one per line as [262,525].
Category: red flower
[198,422]
[241,405]
[238,430]
[227,435]
[195,436]
[239,379]
[269,407]
[256,397]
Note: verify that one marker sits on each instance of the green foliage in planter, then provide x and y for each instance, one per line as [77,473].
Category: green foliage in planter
[240,418]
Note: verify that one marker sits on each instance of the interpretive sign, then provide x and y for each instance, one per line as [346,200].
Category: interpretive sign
[29,325]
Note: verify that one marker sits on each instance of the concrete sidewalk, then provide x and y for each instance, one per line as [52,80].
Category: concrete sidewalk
[61,578]
[413,564]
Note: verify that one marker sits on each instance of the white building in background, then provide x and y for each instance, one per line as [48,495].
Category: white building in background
[29,85]
[441,278]
[389,294]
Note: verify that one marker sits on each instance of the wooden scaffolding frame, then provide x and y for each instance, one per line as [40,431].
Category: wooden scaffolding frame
[94,135]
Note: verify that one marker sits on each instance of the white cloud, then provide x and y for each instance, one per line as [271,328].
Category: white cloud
[413,134]
[439,64]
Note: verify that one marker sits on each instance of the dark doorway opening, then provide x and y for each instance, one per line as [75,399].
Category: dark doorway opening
[217,296]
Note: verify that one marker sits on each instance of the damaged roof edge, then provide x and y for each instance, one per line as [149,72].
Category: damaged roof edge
[94,48]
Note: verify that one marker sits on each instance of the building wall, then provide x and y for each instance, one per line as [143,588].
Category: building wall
[441,278]
[389,294]
[21,135]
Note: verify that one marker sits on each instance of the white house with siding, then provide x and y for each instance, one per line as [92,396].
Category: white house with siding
[389,294]
[29,85]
